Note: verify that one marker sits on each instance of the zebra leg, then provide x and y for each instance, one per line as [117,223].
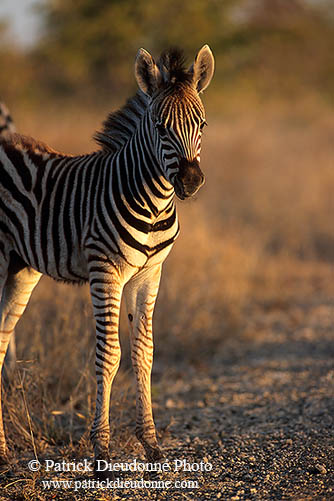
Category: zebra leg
[140,293]
[3,446]
[15,296]
[106,291]
[10,358]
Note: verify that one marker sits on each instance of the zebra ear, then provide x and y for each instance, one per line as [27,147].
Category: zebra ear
[203,68]
[147,73]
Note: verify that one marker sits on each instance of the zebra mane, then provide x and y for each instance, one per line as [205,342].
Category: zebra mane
[120,125]
[172,67]
[6,123]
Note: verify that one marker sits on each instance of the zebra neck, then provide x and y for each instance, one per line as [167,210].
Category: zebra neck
[141,174]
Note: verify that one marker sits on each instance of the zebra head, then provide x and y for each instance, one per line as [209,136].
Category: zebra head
[176,113]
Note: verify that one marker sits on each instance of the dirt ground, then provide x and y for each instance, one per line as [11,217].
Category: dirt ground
[260,411]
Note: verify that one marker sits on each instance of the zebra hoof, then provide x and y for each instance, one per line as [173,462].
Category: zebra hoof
[5,464]
[5,457]
[101,470]
[153,454]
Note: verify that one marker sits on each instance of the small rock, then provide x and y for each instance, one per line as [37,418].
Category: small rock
[318,468]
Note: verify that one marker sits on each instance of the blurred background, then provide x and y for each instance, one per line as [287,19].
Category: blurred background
[73,51]
[259,236]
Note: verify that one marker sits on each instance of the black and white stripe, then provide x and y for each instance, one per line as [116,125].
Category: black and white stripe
[7,127]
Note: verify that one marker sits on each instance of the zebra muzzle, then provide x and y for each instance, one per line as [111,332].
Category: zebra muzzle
[189,179]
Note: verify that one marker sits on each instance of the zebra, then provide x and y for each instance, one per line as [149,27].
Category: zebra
[108,217]
[6,122]
[7,127]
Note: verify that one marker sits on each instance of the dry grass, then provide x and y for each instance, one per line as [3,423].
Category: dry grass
[259,233]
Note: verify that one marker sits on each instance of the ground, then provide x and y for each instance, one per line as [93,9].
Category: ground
[260,411]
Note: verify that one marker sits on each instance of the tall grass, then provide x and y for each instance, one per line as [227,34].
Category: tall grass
[259,232]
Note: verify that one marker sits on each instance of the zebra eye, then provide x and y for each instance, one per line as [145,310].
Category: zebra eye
[161,129]
[203,124]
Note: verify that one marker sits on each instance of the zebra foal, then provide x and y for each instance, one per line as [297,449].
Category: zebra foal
[109,218]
